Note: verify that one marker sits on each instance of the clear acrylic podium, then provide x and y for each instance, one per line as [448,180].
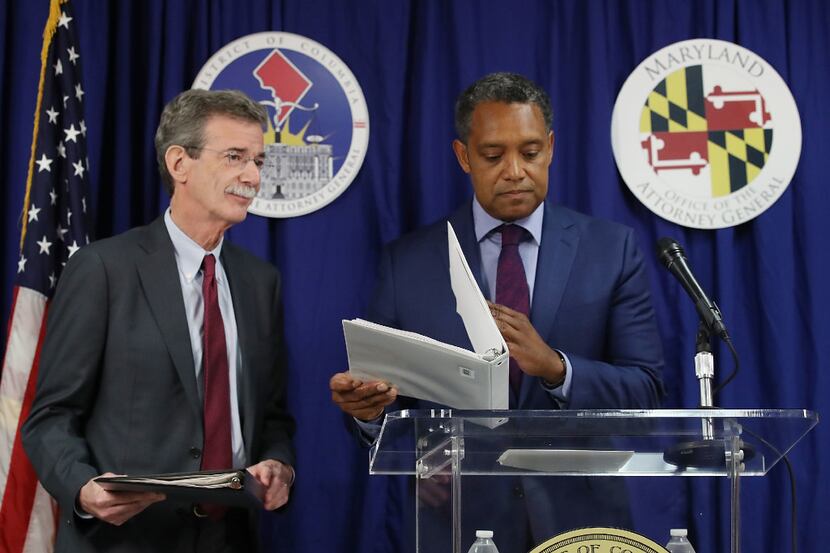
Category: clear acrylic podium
[441,448]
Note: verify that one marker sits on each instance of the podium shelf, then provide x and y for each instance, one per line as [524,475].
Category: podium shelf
[656,442]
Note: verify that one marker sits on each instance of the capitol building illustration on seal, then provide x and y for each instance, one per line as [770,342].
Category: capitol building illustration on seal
[294,171]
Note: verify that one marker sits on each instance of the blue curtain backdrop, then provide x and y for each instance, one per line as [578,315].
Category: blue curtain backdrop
[412,58]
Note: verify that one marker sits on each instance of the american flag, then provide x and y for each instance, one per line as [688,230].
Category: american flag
[54,226]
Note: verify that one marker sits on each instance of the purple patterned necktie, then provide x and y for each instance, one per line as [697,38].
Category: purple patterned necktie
[511,285]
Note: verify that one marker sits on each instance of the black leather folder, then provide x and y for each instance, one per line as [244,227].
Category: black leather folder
[234,488]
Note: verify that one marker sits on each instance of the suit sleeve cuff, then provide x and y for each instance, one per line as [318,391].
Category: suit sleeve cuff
[561,393]
[369,430]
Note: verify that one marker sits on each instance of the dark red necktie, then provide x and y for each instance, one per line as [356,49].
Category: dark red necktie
[216,453]
[511,285]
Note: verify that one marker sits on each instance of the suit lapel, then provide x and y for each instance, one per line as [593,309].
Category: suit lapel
[560,240]
[160,281]
[244,305]
[557,251]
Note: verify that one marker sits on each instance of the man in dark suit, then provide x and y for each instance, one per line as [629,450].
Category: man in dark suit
[580,328]
[164,353]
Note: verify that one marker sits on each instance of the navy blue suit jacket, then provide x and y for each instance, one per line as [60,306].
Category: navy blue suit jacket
[590,301]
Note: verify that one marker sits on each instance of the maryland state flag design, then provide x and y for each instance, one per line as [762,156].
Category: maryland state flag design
[694,124]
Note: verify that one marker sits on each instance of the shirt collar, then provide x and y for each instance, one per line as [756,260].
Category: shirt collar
[188,252]
[485,223]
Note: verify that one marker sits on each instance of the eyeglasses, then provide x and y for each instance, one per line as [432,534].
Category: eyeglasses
[233,158]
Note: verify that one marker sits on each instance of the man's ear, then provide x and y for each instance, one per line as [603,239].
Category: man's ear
[551,142]
[176,160]
[460,150]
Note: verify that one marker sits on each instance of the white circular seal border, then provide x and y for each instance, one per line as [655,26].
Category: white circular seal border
[687,210]
[351,88]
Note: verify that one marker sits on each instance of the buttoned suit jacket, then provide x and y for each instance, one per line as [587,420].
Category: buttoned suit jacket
[117,388]
[590,300]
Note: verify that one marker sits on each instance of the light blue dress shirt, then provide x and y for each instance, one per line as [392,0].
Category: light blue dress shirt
[189,257]
[489,244]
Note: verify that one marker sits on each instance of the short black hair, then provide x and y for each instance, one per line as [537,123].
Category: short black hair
[508,88]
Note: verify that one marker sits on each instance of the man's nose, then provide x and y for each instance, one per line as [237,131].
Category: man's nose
[250,173]
[513,168]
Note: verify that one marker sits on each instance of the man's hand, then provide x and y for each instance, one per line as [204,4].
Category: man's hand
[277,478]
[534,356]
[362,400]
[114,507]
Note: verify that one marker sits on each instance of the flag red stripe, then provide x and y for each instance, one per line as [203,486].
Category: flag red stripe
[19,495]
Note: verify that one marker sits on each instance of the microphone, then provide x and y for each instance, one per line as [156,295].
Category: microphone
[672,256]
[711,451]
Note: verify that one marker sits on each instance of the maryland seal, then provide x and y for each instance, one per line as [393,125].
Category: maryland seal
[706,134]
[318,128]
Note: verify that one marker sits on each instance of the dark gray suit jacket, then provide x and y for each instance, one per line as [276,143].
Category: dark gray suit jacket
[117,389]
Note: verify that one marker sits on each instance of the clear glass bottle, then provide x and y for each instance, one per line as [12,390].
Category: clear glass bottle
[679,542]
[484,543]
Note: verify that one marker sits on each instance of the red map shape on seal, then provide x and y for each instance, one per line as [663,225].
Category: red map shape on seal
[677,150]
[284,81]
[726,111]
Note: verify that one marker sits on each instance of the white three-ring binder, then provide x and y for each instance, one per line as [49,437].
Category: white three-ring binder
[427,369]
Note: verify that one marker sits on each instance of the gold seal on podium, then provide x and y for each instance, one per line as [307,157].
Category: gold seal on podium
[599,540]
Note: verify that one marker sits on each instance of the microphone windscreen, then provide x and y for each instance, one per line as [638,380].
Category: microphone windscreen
[667,250]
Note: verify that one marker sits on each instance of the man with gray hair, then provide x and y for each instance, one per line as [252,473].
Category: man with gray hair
[568,292]
[164,353]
